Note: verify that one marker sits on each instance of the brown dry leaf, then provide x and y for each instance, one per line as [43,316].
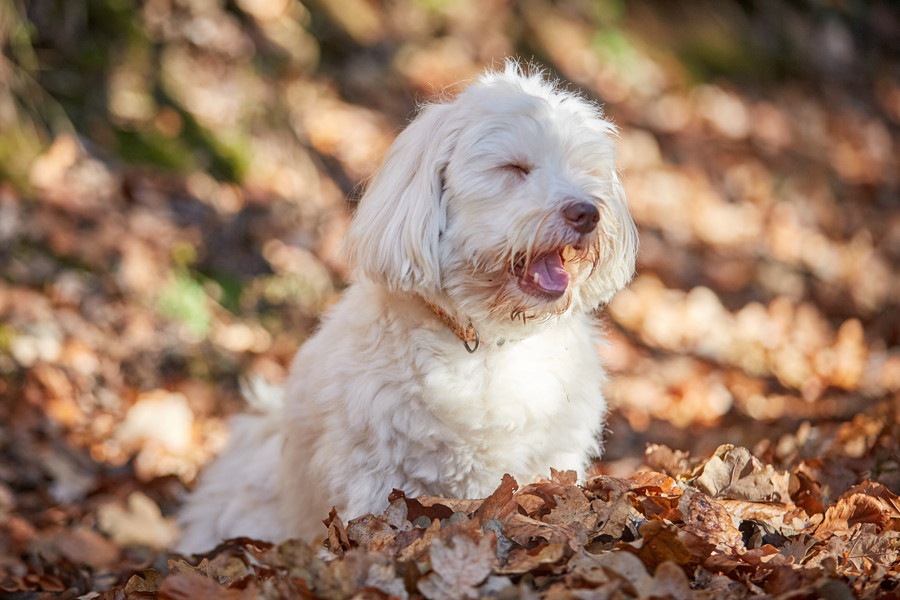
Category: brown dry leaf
[396,514]
[84,546]
[301,561]
[808,494]
[414,508]
[359,574]
[192,586]
[440,505]
[850,510]
[796,549]
[607,488]
[787,520]
[336,539]
[147,583]
[659,507]
[500,504]
[674,463]
[732,472]
[856,438]
[418,547]
[650,482]
[616,516]
[766,554]
[526,531]
[538,558]
[669,581]
[370,532]
[563,477]
[530,503]
[783,580]
[572,507]
[831,476]
[139,523]
[659,543]
[180,565]
[889,500]
[229,569]
[710,521]
[60,402]
[867,549]
[546,490]
[623,566]
[458,566]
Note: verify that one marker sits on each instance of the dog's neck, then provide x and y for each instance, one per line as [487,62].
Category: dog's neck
[468,334]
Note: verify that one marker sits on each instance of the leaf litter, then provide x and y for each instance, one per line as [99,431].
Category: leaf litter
[555,538]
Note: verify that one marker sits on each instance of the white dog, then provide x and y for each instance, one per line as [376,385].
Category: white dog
[466,346]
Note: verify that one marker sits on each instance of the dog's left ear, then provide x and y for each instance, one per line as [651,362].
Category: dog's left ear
[394,237]
[619,256]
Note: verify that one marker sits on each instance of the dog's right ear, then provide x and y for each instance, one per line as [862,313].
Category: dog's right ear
[393,239]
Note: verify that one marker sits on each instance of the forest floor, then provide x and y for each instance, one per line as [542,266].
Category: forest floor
[161,251]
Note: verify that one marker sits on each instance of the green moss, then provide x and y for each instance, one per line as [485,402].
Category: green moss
[153,148]
[183,299]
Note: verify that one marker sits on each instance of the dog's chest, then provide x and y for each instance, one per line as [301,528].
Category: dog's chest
[500,391]
[518,405]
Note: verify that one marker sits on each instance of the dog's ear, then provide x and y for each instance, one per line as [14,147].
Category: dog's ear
[619,254]
[394,237]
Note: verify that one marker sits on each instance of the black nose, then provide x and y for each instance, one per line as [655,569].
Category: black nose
[582,216]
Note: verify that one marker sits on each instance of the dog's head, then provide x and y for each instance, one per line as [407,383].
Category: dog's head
[501,204]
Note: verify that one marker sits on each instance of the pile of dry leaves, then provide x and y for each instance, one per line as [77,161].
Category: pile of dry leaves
[727,527]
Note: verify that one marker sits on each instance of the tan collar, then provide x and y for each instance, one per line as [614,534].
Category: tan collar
[468,334]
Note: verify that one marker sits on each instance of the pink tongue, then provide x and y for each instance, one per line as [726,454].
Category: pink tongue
[551,275]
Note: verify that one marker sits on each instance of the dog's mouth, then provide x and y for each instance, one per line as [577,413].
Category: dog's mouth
[544,276]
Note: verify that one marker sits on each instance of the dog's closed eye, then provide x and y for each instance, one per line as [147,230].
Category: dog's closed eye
[519,168]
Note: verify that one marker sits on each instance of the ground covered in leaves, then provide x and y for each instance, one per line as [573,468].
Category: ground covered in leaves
[728,527]
[173,185]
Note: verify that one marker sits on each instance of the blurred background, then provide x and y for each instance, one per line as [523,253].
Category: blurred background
[174,185]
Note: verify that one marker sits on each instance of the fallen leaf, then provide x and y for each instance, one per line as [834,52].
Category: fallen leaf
[659,544]
[336,539]
[674,463]
[499,504]
[458,566]
[617,516]
[710,521]
[867,549]
[572,506]
[84,546]
[797,549]
[650,482]
[145,583]
[851,510]
[732,472]
[191,586]
[669,581]
[626,567]
[139,523]
[535,559]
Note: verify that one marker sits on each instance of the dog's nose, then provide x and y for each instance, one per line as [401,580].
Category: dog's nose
[582,216]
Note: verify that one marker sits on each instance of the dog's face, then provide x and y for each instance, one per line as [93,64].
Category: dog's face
[502,204]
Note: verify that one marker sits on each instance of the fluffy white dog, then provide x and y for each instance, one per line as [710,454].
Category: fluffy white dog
[466,346]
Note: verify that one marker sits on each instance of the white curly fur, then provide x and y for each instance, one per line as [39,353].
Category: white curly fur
[470,197]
